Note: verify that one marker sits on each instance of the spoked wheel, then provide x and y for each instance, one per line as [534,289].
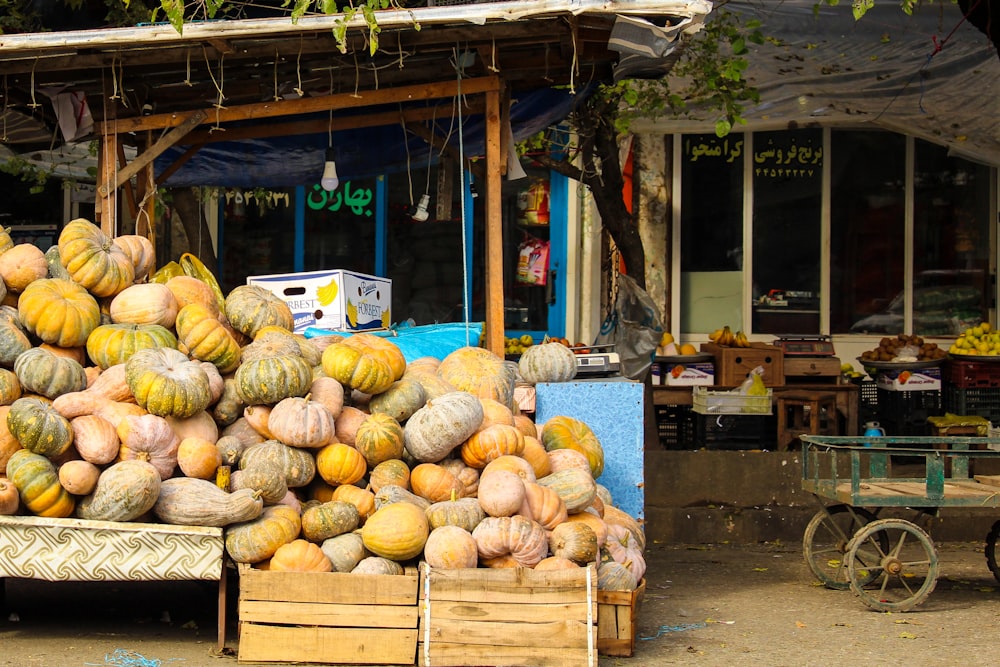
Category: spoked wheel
[825,542]
[902,575]
[991,550]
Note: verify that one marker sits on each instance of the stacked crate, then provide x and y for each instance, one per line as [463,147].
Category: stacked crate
[972,388]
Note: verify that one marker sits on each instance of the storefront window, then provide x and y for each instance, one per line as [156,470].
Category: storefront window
[340,227]
[258,234]
[425,258]
[711,231]
[951,244]
[787,181]
[867,232]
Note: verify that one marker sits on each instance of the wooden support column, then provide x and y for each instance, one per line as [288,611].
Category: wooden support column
[106,211]
[494,228]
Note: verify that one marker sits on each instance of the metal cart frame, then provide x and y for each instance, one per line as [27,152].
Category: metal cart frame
[891,564]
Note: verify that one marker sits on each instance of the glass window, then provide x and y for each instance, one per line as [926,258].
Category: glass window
[787,182]
[951,242]
[867,232]
[711,232]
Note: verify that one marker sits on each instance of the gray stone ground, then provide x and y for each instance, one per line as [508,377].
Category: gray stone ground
[718,604]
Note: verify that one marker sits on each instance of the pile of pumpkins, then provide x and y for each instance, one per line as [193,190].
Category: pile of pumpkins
[135,397]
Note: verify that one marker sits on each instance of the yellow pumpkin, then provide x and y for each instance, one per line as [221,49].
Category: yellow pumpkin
[357,369]
[60,312]
[93,260]
[206,339]
[397,531]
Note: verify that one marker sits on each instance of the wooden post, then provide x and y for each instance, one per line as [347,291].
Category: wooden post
[106,211]
[494,228]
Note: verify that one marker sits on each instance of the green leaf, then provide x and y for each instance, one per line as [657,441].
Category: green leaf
[723,127]
[174,11]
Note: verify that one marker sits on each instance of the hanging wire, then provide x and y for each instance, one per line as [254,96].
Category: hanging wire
[406,145]
[430,151]
[466,315]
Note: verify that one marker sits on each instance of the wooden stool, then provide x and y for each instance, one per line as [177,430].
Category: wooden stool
[805,412]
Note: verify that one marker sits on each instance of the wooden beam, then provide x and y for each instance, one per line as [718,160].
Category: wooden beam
[133,208]
[299,127]
[107,212]
[307,105]
[494,228]
[163,143]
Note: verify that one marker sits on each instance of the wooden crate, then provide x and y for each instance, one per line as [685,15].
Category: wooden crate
[812,369]
[329,618]
[618,621]
[506,617]
[733,364]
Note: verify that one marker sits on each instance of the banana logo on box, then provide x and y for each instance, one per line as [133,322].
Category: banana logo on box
[327,293]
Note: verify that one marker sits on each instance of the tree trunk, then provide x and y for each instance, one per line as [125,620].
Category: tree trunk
[188,208]
[601,171]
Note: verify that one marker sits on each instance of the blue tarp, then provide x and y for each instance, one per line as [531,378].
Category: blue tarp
[360,153]
[429,340]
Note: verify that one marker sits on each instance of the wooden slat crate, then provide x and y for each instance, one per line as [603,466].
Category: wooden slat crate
[618,621]
[502,617]
[329,618]
[733,364]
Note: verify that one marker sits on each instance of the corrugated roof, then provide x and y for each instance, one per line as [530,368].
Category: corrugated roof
[931,75]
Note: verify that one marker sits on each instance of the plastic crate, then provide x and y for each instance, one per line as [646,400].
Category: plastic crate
[867,402]
[727,431]
[708,402]
[969,374]
[905,413]
[675,426]
[981,401]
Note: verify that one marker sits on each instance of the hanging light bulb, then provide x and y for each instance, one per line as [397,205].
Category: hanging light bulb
[329,180]
[421,214]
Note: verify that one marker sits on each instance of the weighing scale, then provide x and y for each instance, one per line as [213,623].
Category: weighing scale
[805,346]
[602,362]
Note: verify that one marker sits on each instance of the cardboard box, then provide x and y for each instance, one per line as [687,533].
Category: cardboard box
[924,379]
[328,618]
[508,616]
[688,375]
[618,621]
[733,364]
[338,300]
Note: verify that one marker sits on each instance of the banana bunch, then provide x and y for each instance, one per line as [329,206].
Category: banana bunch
[725,337]
[327,293]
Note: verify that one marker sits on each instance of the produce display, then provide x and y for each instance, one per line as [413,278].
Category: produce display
[904,348]
[980,340]
[135,397]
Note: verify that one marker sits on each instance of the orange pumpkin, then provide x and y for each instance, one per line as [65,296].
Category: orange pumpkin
[340,464]
[451,548]
[435,483]
[300,556]
[393,472]
[198,458]
[490,443]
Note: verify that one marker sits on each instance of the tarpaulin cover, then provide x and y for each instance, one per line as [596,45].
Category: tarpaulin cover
[429,340]
[360,153]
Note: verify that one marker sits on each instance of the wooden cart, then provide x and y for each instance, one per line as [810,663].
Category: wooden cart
[891,564]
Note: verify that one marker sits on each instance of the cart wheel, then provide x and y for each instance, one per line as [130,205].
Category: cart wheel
[825,542]
[906,572]
[991,550]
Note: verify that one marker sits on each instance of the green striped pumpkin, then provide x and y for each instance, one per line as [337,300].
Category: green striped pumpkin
[112,344]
